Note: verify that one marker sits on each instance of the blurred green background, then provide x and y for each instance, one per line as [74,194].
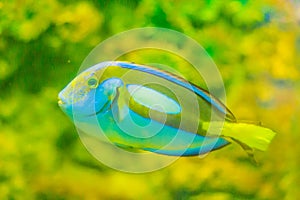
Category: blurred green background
[255,45]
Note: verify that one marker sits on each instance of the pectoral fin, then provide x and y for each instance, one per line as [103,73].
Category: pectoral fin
[122,100]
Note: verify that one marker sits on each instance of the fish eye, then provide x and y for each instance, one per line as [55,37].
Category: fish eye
[92,82]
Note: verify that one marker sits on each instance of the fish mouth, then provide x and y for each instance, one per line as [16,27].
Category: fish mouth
[60,102]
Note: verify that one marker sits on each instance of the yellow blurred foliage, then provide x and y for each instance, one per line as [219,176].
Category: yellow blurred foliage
[255,45]
[77,21]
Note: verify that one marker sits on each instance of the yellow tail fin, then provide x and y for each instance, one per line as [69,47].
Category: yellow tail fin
[255,137]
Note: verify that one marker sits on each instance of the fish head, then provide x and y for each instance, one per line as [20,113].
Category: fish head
[88,95]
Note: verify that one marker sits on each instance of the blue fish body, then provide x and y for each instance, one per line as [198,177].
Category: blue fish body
[166,140]
[140,107]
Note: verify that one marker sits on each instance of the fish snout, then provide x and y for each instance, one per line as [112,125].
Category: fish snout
[61,101]
[64,105]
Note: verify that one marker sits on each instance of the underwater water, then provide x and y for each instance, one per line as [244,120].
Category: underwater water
[255,45]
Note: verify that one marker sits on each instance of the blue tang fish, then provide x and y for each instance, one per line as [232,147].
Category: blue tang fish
[139,107]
